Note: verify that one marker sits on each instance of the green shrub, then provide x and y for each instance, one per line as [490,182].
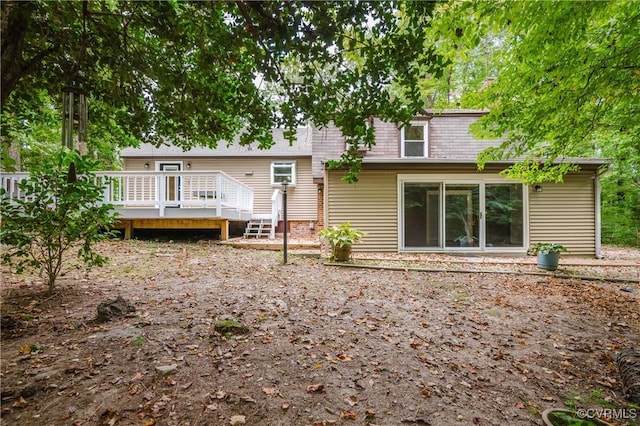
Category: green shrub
[61,210]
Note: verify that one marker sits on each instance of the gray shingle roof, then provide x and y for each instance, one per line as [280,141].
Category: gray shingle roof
[301,148]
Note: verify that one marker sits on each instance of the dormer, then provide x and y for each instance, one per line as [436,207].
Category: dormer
[414,140]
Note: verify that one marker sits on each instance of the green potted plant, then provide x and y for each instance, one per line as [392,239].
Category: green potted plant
[548,254]
[340,238]
[466,240]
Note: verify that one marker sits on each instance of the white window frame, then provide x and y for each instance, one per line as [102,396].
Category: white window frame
[451,179]
[283,163]
[425,141]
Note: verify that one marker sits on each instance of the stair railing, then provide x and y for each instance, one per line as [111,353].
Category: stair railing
[276,208]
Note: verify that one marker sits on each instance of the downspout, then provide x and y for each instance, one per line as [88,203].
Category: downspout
[598,196]
[325,202]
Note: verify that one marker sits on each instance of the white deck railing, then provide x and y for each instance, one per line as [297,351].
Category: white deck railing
[161,190]
[276,209]
[11,185]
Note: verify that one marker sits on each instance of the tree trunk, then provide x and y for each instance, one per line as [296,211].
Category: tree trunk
[16,16]
[12,151]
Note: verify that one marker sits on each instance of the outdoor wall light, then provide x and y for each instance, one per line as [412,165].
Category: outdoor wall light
[146,165]
[189,165]
[538,188]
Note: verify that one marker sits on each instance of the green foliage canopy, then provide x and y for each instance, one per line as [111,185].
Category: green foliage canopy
[568,80]
[193,71]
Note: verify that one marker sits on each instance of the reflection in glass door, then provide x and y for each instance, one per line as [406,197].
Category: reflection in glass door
[421,215]
[462,215]
[504,218]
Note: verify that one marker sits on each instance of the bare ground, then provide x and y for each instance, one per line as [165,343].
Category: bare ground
[326,345]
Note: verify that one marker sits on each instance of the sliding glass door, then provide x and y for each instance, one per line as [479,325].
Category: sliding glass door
[504,220]
[462,216]
[422,215]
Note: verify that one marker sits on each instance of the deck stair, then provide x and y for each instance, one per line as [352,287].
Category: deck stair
[258,228]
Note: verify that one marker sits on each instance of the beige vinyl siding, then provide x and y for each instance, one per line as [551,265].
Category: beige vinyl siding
[565,213]
[256,173]
[370,205]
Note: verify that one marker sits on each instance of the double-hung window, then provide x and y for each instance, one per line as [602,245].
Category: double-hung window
[415,140]
[283,170]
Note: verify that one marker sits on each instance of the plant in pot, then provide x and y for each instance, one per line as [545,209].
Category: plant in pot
[548,254]
[340,238]
[466,240]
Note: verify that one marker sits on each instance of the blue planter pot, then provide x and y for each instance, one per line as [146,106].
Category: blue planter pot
[548,262]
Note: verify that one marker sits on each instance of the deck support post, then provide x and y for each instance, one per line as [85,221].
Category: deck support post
[128,230]
[224,230]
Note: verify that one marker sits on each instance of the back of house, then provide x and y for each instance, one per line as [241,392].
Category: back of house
[192,180]
[420,191]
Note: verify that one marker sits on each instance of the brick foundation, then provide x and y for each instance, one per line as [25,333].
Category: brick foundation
[302,229]
[299,228]
[306,228]
[320,213]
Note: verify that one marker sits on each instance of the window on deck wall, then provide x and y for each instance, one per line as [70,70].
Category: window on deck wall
[415,140]
[283,170]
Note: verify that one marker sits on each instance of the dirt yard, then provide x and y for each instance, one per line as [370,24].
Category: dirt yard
[226,336]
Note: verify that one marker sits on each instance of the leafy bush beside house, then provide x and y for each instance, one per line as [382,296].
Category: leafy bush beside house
[62,212]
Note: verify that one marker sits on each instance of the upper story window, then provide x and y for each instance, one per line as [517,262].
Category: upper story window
[415,140]
[283,170]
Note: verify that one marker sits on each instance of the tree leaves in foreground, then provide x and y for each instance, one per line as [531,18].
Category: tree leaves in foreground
[568,81]
[62,211]
[560,80]
[194,71]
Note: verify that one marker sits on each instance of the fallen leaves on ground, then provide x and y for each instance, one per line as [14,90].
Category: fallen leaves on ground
[319,345]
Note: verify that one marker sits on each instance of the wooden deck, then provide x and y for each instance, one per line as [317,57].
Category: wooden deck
[129,225]
[166,200]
